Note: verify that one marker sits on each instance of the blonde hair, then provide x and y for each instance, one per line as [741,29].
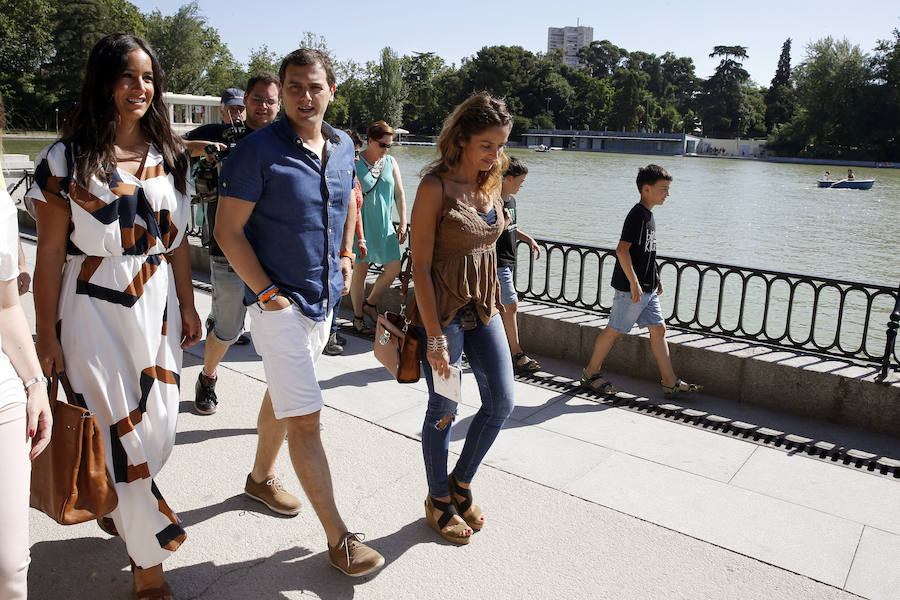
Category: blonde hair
[478,112]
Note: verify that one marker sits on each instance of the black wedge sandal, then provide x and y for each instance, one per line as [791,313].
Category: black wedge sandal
[475,520]
[455,534]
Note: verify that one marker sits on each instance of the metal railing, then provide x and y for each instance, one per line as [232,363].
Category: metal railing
[829,317]
[26,177]
[824,316]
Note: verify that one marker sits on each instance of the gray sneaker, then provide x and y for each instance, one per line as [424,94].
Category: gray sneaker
[333,348]
[354,558]
[272,493]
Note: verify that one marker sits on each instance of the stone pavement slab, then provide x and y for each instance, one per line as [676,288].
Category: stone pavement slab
[876,567]
[850,494]
[571,513]
[802,540]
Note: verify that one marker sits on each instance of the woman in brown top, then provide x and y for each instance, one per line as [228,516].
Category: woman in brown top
[456,220]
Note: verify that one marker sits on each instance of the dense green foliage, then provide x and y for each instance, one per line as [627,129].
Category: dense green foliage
[847,103]
[837,102]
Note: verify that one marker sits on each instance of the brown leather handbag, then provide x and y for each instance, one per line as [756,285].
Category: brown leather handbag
[397,346]
[69,482]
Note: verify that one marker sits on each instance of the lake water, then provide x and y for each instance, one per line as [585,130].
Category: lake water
[744,212]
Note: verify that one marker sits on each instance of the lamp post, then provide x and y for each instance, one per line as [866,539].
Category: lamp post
[56,110]
[548,103]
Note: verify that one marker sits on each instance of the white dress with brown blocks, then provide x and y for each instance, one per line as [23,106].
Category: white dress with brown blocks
[119,325]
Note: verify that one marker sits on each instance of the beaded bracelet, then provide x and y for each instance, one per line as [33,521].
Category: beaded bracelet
[437,343]
[268,293]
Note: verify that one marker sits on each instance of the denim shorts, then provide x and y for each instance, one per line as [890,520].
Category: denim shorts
[228,310]
[625,313]
[508,293]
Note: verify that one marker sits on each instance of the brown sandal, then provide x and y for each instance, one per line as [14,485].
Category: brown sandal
[370,310]
[163,592]
[360,327]
[456,533]
[475,519]
[108,526]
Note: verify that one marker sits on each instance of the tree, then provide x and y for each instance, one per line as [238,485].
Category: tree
[389,91]
[885,116]
[263,59]
[601,58]
[422,109]
[26,43]
[725,106]
[79,25]
[191,53]
[780,96]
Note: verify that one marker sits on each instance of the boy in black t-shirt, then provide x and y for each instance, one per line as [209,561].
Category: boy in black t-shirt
[513,179]
[637,284]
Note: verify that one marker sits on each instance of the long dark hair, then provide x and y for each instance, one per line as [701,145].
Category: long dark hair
[91,127]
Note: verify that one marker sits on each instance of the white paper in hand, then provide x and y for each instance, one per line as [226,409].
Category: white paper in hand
[451,387]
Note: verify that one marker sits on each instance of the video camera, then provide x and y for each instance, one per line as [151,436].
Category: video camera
[206,175]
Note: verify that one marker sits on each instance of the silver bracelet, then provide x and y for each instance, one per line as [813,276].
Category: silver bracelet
[34,380]
[437,343]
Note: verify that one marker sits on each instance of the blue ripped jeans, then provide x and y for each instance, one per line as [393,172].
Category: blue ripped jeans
[488,354]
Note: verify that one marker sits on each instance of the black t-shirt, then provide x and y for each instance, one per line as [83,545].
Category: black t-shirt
[212,132]
[506,243]
[640,230]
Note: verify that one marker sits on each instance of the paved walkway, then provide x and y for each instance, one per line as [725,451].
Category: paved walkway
[583,500]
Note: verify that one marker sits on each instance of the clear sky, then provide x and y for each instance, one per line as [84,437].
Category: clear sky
[456,29]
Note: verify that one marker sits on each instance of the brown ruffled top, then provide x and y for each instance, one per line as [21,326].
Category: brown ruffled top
[464,264]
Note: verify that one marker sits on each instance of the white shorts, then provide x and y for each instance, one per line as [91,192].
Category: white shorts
[290,343]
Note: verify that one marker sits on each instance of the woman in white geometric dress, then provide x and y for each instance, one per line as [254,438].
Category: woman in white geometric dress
[113,294]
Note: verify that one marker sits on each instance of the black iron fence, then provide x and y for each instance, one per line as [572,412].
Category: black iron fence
[830,317]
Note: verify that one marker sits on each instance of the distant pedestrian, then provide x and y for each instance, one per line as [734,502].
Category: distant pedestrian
[382,188]
[513,180]
[225,323]
[336,341]
[637,283]
[456,220]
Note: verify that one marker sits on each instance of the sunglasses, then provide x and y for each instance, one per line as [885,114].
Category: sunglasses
[383,145]
[266,101]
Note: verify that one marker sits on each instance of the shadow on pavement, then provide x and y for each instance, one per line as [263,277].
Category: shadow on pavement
[93,567]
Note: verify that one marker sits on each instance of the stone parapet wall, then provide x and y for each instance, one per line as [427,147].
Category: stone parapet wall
[806,385]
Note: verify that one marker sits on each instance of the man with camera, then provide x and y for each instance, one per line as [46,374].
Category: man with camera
[242,114]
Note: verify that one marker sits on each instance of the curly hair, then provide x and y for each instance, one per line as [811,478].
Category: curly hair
[478,112]
[91,128]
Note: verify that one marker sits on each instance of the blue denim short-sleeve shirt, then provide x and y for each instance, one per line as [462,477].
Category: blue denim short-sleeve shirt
[296,227]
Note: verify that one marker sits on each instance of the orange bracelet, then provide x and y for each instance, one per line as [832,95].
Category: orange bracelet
[267,294]
[345,254]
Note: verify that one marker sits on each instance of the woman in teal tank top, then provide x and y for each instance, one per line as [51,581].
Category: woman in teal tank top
[379,179]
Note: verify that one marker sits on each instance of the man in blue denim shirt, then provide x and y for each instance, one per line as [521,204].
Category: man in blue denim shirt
[285,223]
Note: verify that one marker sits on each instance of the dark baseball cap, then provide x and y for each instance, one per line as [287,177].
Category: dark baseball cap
[233,97]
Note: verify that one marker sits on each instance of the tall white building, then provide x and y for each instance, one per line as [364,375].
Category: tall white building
[570,39]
